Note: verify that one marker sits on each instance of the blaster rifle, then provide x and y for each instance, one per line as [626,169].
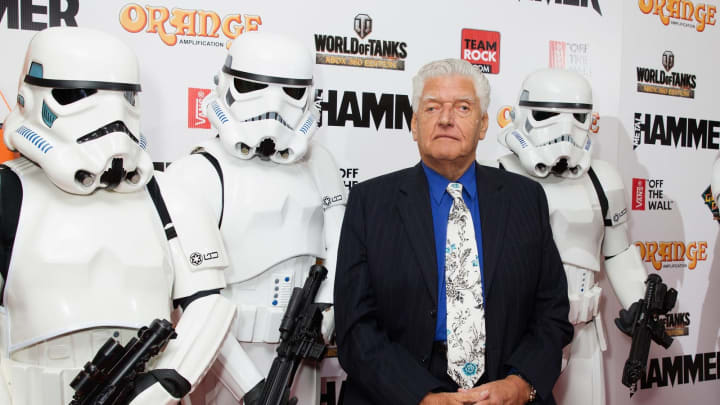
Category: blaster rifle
[641,322]
[109,378]
[300,339]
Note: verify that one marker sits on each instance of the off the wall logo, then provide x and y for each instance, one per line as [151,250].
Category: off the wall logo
[24,15]
[682,369]
[669,255]
[363,110]
[359,52]
[676,324]
[710,202]
[187,26]
[482,49]
[648,194]
[684,13]
[675,132]
[349,176]
[595,4]
[196,119]
[574,56]
[664,81]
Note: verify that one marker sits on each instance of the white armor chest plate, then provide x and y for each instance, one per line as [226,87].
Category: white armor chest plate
[575,216]
[272,213]
[84,261]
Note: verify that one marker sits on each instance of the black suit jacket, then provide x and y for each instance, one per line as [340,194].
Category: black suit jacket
[386,287]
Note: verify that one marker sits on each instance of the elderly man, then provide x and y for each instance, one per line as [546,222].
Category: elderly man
[449,287]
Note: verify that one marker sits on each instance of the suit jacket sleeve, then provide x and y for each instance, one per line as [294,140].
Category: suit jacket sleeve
[538,356]
[386,371]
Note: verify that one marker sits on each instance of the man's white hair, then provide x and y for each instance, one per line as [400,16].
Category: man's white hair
[451,67]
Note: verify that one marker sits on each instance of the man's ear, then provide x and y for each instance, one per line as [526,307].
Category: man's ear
[413,126]
[483,126]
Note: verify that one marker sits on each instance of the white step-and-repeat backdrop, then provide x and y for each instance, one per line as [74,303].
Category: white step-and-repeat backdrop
[652,65]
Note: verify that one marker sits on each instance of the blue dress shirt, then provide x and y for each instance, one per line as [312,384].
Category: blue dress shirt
[441,202]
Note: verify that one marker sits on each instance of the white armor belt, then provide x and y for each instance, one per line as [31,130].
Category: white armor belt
[261,301]
[52,365]
[272,212]
[82,262]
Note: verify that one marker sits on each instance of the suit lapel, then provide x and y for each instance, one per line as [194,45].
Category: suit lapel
[493,215]
[416,215]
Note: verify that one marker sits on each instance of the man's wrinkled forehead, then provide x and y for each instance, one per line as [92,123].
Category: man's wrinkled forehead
[460,88]
[431,97]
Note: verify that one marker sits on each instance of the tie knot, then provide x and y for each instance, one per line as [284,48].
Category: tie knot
[455,190]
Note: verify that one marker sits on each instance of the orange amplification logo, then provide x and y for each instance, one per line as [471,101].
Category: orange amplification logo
[673,254]
[169,24]
[702,14]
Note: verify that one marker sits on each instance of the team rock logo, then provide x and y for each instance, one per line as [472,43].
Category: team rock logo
[684,13]
[595,4]
[373,53]
[202,25]
[675,131]
[26,15]
[665,82]
[482,49]
[574,56]
[667,255]
[648,194]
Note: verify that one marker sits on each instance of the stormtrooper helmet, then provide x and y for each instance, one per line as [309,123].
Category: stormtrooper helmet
[77,113]
[263,104]
[551,124]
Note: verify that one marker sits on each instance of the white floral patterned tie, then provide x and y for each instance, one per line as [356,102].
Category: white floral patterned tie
[464,297]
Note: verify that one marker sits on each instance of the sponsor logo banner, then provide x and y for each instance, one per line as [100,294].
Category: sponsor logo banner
[364,109]
[187,26]
[359,52]
[682,369]
[24,15]
[349,176]
[196,119]
[684,13]
[574,56]
[711,203]
[669,255]
[595,4]
[661,130]
[481,48]
[676,324]
[665,82]
[648,194]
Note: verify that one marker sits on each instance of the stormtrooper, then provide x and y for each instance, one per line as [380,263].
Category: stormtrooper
[549,135]
[90,248]
[278,200]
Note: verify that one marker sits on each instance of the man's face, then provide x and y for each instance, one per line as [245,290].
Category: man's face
[448,122]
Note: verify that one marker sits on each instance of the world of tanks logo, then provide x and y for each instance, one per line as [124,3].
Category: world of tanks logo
[359,52]
[666,82]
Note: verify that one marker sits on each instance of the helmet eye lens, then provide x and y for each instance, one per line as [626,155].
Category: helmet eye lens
[68,96]
[543,115]
[244,86]
[130,97]
[580,117]
[295,92]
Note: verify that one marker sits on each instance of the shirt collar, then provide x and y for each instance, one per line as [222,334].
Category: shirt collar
[438,184]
